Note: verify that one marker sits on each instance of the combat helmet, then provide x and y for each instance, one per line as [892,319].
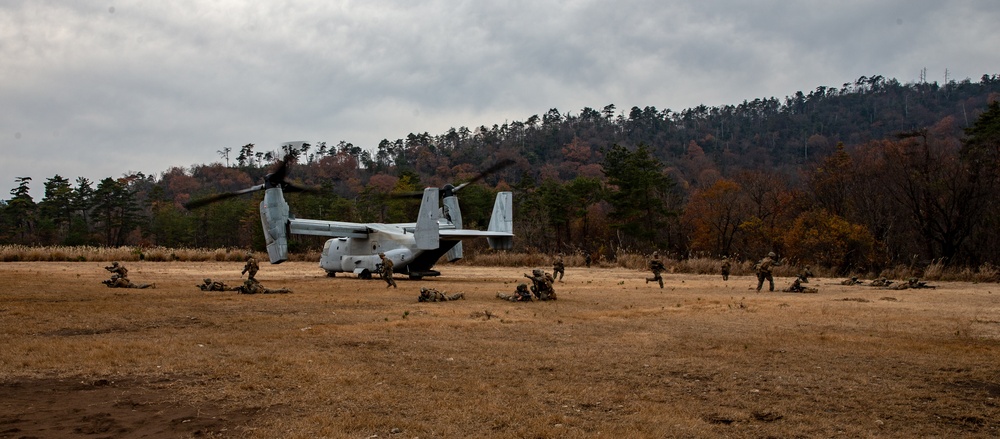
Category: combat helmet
[771,254]
[537,272]
[208,280]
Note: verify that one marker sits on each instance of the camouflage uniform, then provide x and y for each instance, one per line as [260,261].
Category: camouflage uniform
[117,281]
[433,295]
[805,274]
[521,294]
[852,281]
[764,271]
[726,266]
[251,267]
[541,285]
[251,286]
[211,285]
[118,269]
[558,267]
[387,271]
[656,266]
[587,260]
[797,287]
[881,282]
[913,283]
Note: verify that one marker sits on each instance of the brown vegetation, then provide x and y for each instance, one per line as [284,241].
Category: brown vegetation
[612,357]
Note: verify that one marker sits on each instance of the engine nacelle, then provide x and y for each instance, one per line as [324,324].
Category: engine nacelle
[274,219]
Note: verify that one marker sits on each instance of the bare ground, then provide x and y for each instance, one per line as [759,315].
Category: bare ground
[614,357]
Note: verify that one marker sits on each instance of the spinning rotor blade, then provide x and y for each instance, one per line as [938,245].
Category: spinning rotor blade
[275,178]
[219,197]
[491,170]
[449,190]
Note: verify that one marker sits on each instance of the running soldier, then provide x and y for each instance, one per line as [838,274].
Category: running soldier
[558,268]
[726,266]
[387,271]
[433,295]
[764,268]
[521,294]
[251,267]
[252,286]
[656,266]
[541,285]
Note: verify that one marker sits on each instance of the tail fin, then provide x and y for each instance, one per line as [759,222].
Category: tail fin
[427,232]
[274,219]
[502,220]
[454,215]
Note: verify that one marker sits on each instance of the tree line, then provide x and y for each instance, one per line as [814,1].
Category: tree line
[868,175]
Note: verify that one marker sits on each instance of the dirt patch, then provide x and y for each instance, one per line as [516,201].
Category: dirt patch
[59,408]
[613,357]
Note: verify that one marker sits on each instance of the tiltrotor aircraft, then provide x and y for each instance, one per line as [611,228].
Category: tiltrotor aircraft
[414,248]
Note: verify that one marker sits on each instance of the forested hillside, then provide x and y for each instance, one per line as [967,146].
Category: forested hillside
[867,175]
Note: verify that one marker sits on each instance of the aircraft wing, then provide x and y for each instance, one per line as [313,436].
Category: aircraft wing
[333,229]
[457,234]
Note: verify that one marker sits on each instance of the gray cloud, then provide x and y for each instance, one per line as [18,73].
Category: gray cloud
[95,90]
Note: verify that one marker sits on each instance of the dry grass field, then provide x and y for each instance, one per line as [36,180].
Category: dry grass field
[613,357]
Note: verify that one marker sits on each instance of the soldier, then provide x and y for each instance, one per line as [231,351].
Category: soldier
[117,281]
[252,286]
[916,283]
[541,284]
[433,295]
[726,266]
[587,260]
[558,267]
[251,267]
[797,287]
[211,285]
[805,274]
[764,267]
[387,271]
[656,266]
[521,294]
[881,282]
[118,269]
[852,281]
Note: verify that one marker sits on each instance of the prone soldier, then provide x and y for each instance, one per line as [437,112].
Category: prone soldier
[433,295]
[117,281]
[881,282]
[252,286]
[210,285]
[852,281]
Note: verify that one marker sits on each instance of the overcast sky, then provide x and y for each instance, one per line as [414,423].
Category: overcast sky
[97,89]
